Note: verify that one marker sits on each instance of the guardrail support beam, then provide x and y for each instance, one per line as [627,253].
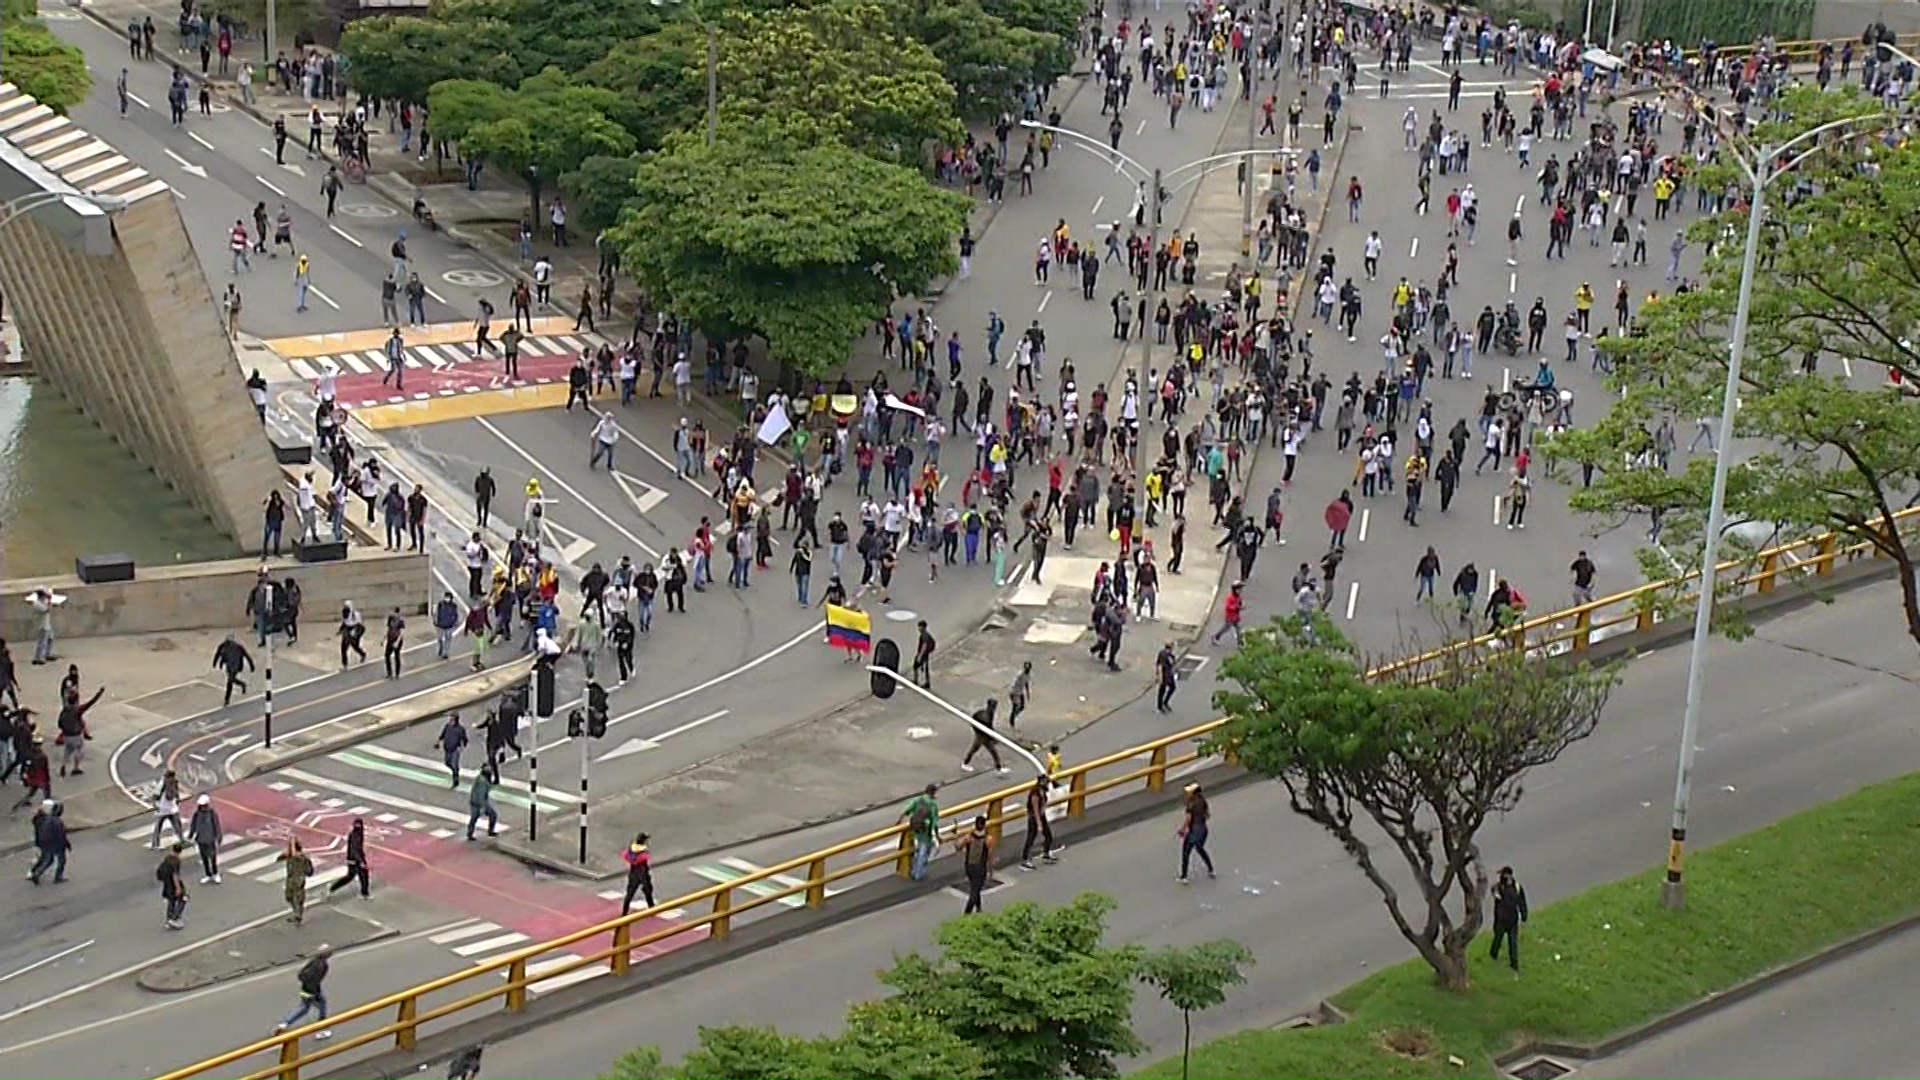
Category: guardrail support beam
[289,1053]
[817,883]
[623,942]
[517,985]
[722,923]
[1157,761]
[409,1032]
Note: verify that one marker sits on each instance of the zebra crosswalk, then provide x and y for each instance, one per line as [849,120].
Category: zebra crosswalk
[437,357]
[241,855]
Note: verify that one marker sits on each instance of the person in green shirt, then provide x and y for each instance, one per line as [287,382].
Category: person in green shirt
[922,816]
[480,800]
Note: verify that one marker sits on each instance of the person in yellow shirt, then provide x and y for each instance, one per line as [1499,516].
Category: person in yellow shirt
[1156,486]
[1402,293]
[1583,306]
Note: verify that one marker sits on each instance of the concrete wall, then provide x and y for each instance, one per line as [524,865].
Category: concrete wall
[213,596]
[125,325]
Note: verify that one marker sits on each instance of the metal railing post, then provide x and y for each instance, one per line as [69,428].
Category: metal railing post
[517,985]
[623,942]
[1157,763]
[817,883]
[409,1032]
[722,923]
[1077,795]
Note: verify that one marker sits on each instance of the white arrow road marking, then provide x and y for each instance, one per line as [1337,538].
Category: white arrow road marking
[642,495]
[192,169]
[570,550]
[231,740]
[631,746]
[151,756]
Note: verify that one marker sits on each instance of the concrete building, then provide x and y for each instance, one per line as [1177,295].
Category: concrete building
[101,277]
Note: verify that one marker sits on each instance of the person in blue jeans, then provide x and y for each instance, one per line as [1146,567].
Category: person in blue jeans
[313,993]
[922,816]
[1193,832]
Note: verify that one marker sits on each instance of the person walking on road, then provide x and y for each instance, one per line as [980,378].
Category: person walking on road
[922,815]
[982,740]
[1166,669]
[1038,827]
[206,833]
[294,891]
[1509,911]
[451,741]
[975,848]
[232,657]
[480,801]
[50,837]
[173,887]
[639,872]
[922,674]
[166,810]
[356,861]
[313,992]
[1193,831]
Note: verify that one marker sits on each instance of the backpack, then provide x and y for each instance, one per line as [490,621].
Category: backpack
[921,820]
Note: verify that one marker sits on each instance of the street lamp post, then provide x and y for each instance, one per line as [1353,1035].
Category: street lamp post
[713,64]
[1761,171]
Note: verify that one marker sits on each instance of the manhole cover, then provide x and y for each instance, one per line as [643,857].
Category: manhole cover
[1190,664]
[368,210]
[1540,1069]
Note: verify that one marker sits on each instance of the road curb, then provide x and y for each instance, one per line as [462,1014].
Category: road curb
[376,723]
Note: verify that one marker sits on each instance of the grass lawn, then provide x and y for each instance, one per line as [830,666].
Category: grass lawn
[1611,957]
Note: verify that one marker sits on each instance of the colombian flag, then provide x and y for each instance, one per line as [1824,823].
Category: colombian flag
[849,628]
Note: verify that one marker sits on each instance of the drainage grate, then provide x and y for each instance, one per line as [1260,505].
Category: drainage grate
[1540,1068]
[1190,664]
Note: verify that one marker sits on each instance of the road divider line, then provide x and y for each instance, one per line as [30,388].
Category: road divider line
[1492,576]
[268,184]
[1366,517]
[324,298]
[44,961]
[437,298]
[1506,379]
[345,235]
[1413,250]
[138,100]
[195,136]
[651,551]
[1496,509]
[1048,295]
[1353,599]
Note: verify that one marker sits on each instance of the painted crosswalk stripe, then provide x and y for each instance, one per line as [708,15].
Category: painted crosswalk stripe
[462,933]
[303,370]
[376,358]
[618,895]
[441,834]
[278,874]
[382,797]
[415,825]
[578,975]
[386,819]
[252,866]
[432,774]
[138,832]
[246,849]
[279,785]
[574,344]
[537,346]
[333,804]
[731,873]
[789,880]
[490,944]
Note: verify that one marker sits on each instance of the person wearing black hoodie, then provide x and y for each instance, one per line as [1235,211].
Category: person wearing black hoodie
[50,836]
[639,872]
[74,736]
[205,830]
[356,860]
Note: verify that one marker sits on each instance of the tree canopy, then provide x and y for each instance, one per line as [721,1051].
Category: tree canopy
[40,64]
[1426,755]
[804,245]
[1830,442]
[546,128]
[840,72]
[400,57]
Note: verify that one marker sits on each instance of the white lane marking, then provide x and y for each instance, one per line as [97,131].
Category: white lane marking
[251,866]
[1519,204]
[568,488]
[1506,379]
[789,880]
[324,298]
[386,819]
[1492,577]
[462,933]
[269,185]
[242,850]
[560,798]
[1846,365]
[138,100]
[1513,283]
[1353,598]
[1496,509]
[811,633]
[501,941]
[558,982]
[196,138]
[419,809]
[44,961]
[303,370]
[1366,515]
[1142,126]
[437,298]
[690,725]
[345,235]
[1043,300]
[1097,204]
[1413,251]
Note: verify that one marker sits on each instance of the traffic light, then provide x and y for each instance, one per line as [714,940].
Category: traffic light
[543,690]
[596,710]
[576,724]
[886,654]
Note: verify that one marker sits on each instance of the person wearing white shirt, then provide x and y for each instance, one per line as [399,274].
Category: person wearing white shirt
[477,558]
[307,507]
[890,519]
[605,434]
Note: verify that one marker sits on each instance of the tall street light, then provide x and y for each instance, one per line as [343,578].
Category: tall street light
[1761,170]
[713,62]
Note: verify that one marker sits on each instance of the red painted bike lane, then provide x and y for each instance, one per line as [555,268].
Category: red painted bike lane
[471,377]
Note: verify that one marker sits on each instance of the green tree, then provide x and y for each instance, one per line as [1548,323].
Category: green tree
[886,1040]
[842,70]
[1425,755]
[1192,979]
[639,1063]
[987,59]
[809,246]
[751,1053]
[662,78]
[1034,989]
[543,130]
[567,34]
[399,58]
[40,64]
[294,21]
[599,190]
[1835,283]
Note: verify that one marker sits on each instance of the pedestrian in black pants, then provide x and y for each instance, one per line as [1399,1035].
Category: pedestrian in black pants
[623,639]
[1038,827]
[976,858]
[356,860]
[983,721]
[1509,911]
[639,872]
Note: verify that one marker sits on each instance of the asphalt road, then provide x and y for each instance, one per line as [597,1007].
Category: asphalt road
[222,165]
[1810,708]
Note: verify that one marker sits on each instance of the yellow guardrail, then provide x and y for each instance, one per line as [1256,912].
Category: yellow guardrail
[1578,627]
